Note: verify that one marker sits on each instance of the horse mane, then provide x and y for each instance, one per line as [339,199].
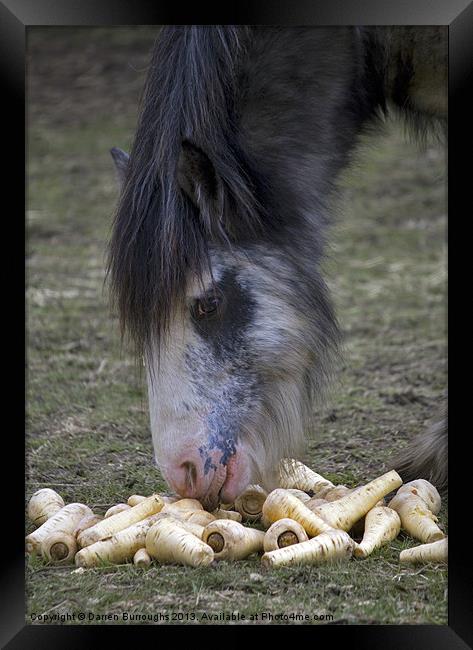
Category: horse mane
[158,235]
[197,85]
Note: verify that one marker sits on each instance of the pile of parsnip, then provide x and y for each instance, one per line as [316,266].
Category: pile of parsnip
[307,520]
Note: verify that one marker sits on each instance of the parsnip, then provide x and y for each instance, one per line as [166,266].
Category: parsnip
[44,504]
[382,525]
[432,552]
[120,507]
[280,504]
[227,514]
[333,493]
[328,546]
[183,505]
[231,540]
[107,527]
[303,496]
[250,503]
[191,527]
[358,529]
[265,522]
[86,522]
[135,499]
[346,511]
[416,518]
[200,517]
[294,474]
[117,548]
[426,491]
[64,520]
[142,558]
[59,548]
[168,542]
[283,532]
[188,510]
[314,503]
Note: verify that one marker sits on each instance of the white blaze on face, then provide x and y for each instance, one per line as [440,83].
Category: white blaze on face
[172,402]
[194,411]
[176,410]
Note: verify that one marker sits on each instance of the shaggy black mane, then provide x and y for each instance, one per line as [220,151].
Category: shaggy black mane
[300,99]
[158,235]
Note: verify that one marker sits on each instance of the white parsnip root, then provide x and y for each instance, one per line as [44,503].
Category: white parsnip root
[59,548]
[294,474]
[189,510]
[227,514]
[314,503]
[432,552]
[201,518]
[303,496]
[86,522]
[416,517]
[329,546]
[120,507]
[142,558]
[426,491]
[282,533]
[281,504]
[44,504]
[307,518]
[118,548]
[107,527]
[183,506]
[231,540]
[330,494]
[170,543]
[135,499]
[191,527]
[250,503]
[382,525]
[346,511]
[64,520]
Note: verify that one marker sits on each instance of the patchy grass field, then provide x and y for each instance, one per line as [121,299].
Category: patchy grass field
[87,430]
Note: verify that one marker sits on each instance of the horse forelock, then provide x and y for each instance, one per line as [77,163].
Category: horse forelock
[158,237]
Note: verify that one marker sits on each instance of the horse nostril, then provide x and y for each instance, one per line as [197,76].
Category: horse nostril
[191,475]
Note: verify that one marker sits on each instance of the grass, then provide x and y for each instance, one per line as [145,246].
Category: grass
[87,430]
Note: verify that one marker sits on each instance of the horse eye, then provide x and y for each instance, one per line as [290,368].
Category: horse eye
[205,307]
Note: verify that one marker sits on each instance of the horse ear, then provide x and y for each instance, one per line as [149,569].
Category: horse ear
[120,158]
[198,179]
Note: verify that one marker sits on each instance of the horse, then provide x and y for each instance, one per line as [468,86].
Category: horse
[215,254]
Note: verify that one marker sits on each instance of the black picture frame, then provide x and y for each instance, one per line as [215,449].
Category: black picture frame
[15,17]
